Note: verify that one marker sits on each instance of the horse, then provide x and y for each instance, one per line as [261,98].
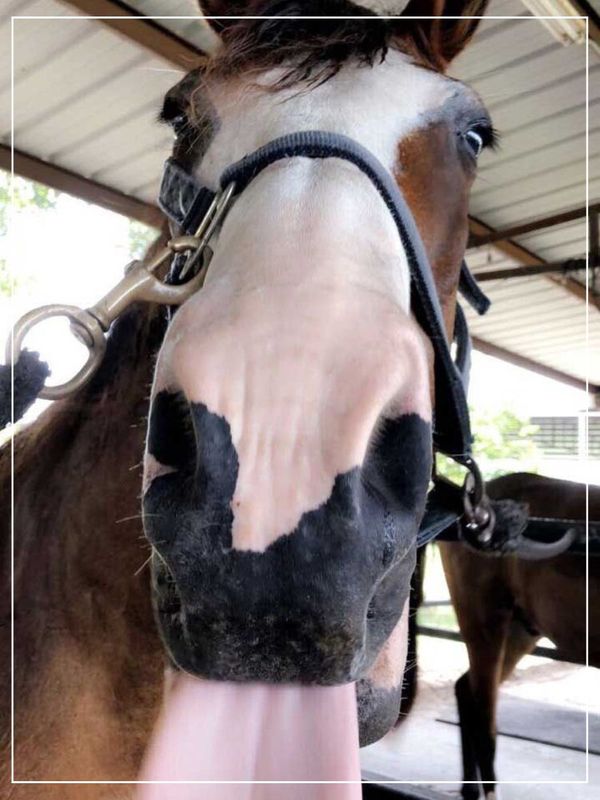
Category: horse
[504,605]
[279,429]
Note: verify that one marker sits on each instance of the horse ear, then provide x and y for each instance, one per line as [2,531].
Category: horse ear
[224,9]
[444,29]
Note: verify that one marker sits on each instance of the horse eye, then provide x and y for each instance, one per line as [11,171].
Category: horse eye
[174,114]
[179,124]
[474,141]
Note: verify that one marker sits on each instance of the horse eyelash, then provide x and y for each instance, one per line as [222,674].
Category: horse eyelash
[489,135]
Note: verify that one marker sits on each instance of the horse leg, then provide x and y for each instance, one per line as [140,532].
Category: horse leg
[519,642]
[464,701]
[489,668]
[484,734]
[484,607]
[486,659]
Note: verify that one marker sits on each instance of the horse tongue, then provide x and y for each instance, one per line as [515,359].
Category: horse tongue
[218,731]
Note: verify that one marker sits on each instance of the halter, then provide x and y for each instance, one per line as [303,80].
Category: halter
[198,211]
[189,205]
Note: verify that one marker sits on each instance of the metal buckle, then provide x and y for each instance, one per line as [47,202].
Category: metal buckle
[139,284]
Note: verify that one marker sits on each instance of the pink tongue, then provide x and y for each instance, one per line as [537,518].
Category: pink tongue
[217,731]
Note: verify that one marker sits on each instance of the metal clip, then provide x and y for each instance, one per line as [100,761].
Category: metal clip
[139,284]
[214,215]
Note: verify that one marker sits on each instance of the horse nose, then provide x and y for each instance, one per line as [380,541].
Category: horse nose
[283,542]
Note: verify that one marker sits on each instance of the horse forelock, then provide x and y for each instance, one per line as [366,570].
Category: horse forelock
[311,41]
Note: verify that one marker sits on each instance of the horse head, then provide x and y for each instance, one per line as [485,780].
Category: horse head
[289,449]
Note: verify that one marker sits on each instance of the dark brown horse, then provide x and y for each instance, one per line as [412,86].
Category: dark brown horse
[504,605]
[282,380]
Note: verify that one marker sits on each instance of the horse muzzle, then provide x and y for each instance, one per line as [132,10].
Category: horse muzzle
[314,607]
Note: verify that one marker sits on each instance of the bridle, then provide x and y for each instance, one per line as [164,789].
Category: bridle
[199,211]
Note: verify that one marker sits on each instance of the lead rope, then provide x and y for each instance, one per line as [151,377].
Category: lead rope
[24,382]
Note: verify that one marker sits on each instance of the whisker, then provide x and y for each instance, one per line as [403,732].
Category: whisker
[144,565]
[136,516]
[161,69]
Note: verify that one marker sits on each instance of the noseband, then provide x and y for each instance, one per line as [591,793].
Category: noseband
[198,211]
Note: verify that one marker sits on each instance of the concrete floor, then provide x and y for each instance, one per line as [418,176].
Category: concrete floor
[426,751]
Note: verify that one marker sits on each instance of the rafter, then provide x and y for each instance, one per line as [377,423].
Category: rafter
[142,31]
[533,225]
[529,258]
[534,366]
[64,180]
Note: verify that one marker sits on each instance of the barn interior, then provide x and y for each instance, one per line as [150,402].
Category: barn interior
[82,82]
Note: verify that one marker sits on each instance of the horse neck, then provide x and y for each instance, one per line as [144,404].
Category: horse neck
[79,551]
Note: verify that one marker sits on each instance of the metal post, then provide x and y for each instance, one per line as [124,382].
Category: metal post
[594,248]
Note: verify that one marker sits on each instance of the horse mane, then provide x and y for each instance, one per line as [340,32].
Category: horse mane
[311,50]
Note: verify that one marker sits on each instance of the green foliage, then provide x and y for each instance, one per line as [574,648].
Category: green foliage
[5,282]
[140,238]
[22,195]
[503,443]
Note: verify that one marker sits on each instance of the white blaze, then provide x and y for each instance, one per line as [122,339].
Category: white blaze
[301,337]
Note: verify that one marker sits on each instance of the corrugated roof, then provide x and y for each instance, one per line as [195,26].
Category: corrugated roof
[192,30]
[535,89]
[86,99]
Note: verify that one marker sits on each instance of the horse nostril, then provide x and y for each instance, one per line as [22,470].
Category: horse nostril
[171,437]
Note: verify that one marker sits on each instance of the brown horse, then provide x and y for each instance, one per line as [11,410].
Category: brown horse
[504,605]
[284,379]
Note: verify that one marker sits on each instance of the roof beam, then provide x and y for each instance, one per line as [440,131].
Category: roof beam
[585,8]
[534,225]
[477,228]
[63,180]
[572,265]
[142,31]
[527,363]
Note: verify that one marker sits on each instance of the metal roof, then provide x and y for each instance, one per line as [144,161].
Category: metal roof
[535,89]
[86,99]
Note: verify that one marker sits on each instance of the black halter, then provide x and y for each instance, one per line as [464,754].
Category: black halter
[451,512]
[192,207]
[185,201]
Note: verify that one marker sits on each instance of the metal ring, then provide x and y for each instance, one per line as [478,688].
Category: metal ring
[474,484]
[83,325]
[479,515]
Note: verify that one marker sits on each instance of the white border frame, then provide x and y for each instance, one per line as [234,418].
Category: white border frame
[383,781]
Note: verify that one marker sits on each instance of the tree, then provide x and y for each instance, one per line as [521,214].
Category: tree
[503,443]
[140,238]
[23,194]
